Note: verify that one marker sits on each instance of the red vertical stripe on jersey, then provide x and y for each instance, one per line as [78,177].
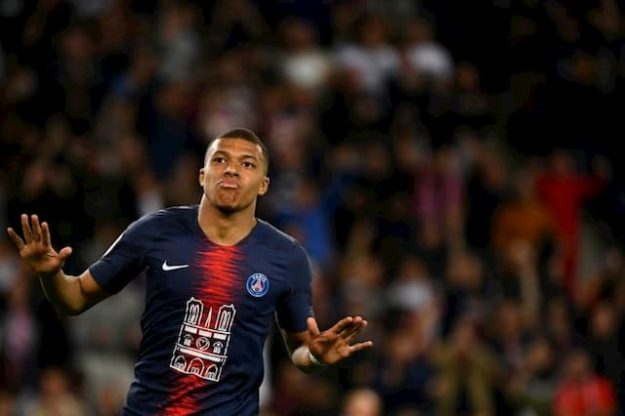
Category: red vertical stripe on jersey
[218,284]
[220,278]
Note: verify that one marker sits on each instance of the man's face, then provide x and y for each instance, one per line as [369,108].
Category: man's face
[234,174]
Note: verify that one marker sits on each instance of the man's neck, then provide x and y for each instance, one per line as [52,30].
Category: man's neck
[225,229]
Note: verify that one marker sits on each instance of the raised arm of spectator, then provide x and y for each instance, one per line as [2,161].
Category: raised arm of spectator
[69,294]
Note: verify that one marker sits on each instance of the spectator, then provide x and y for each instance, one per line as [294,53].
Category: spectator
[531,388]
[581,391]
[362,402]
[604,341]
[427,61]
[304,64]
[467,373]
[565,191]
[370,61]
[56,397]
[523,218]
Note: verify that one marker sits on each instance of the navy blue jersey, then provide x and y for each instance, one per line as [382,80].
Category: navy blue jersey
[208,310]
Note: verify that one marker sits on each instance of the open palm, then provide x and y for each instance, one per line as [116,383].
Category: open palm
[36,247]
[336,343]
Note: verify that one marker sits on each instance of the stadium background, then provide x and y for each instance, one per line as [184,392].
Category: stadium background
[450,166]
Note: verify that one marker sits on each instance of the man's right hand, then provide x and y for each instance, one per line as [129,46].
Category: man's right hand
[36,248]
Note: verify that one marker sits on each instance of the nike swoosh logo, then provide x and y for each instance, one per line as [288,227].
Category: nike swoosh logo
[168,268]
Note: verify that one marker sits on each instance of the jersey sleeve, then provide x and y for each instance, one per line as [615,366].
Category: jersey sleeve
[124,260]
[294,310]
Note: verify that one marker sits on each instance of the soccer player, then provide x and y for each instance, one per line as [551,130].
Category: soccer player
[216,277]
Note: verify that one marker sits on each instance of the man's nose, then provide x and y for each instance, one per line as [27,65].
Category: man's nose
[231,168]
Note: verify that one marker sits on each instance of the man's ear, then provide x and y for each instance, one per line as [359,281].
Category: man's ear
[264,186]
[201,177]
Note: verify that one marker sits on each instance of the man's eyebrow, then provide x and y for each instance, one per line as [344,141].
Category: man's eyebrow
[243,156]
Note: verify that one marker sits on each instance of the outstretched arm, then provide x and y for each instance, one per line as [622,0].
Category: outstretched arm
[69,294]
[312,349]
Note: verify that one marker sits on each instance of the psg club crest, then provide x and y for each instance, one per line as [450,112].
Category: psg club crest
[257,285]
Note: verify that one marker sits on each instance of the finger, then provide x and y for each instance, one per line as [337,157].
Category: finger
[341,325]
[45,234]
[19,243]
[34,219]
[312,326]
[28,236]
[360,346]
[351,334]
[65,253]
[355,325]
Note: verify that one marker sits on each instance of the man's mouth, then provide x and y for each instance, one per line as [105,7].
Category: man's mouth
[228,184]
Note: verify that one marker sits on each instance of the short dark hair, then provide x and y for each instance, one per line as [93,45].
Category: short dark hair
[244,134]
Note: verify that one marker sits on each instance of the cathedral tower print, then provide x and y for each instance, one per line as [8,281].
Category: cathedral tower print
[202,345]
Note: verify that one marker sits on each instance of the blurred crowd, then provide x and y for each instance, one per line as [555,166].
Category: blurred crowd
[450,166]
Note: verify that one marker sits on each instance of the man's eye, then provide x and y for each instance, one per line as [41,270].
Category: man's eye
[249,165]
[218,159]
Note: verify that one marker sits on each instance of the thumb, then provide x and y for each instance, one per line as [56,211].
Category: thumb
[65,253]
[312,326]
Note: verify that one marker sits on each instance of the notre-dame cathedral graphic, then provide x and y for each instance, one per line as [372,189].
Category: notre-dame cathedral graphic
[202,345]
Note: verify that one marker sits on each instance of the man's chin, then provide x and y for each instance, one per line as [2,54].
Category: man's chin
[227,209]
